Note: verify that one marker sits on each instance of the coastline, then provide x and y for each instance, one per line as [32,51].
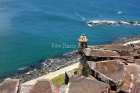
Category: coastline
[137,41]
[45,67]
[68,68]
[127,39]
[49,66]
[52,74]
[52,65]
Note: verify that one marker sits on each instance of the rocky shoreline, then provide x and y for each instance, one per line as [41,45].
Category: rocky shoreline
[51,65]
[127,39]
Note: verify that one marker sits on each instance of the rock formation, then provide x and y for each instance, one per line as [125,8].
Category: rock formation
[107,22]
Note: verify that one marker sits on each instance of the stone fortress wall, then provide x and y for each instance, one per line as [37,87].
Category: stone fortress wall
[107,63]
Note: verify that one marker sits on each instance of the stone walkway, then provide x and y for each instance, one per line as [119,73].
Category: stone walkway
[138,68]
[132,42]
[53,74]
[138,79]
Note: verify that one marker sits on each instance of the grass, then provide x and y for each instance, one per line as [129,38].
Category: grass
[75,69]
[128,44]
[60,80]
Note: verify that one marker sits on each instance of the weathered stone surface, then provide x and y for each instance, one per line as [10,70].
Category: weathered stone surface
[83,38]
[130,85]
[121,49]
[25,88]
[138,51]
[82,42]
[82,84]
[113,47]
[80,68]
[137,61]
[136,56]
[68,75]
[127,57]
[60,88]
[106,64]
[43,86]
[99,54]
[130,61]
[9,86]
[132,70]
[91,77]
[111,72]
[83,68]
[123,61]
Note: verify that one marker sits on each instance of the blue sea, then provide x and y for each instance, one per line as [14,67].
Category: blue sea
[35,30]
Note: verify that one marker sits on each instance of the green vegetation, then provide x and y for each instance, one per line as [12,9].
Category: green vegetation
[60,80]
[128,44]
[75,69]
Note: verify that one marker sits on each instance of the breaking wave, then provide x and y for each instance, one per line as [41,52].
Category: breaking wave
[23,68]
[119,12]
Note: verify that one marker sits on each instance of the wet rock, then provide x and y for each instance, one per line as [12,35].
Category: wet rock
[49,60]
[49,67]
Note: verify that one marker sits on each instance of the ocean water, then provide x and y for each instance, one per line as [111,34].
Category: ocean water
[34,30]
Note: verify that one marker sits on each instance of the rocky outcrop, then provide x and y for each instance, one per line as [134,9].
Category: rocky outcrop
[127,39]
[107,22]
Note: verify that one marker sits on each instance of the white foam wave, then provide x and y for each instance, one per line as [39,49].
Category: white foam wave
[44,64]
[89,25]
[28,72]
[22,68]
[119,12]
